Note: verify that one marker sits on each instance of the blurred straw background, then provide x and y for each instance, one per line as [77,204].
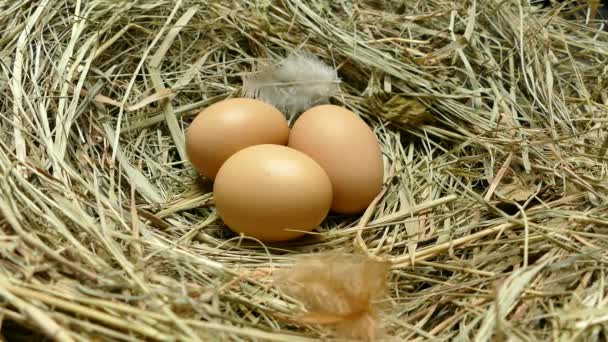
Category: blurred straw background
[492,117]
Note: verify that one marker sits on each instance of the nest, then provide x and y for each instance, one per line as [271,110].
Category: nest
[493,223]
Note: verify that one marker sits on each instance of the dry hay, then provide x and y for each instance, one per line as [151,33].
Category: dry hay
[492,117]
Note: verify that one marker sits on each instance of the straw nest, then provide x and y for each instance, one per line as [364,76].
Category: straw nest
[492,117]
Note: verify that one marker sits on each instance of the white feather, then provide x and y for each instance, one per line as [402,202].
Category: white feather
[293,86]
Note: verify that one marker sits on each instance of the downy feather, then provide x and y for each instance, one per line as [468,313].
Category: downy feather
[298,83]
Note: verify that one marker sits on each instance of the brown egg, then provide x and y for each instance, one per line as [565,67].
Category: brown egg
[228,126]
[272,193]
[346,147]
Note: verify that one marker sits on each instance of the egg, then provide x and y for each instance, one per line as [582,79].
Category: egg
[228,126]
[347,149]
[272,193]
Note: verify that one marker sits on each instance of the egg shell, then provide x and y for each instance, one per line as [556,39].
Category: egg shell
[228,126]
[272,193]
[349,151]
